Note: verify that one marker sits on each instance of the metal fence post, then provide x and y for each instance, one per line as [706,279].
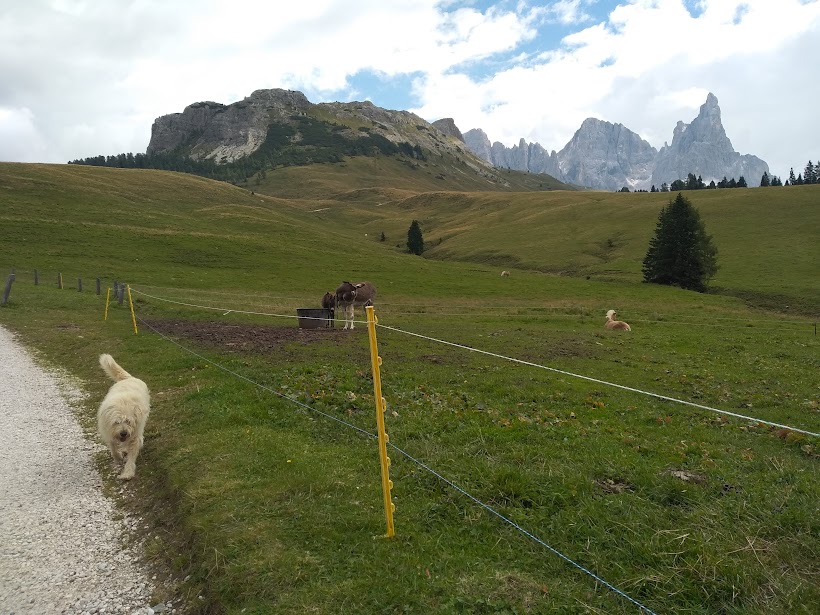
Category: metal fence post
[7,289]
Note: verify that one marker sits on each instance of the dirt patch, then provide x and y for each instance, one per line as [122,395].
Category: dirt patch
[687,477]
[231,337]
[617,485]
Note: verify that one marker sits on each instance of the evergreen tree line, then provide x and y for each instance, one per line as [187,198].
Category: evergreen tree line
[810,175]
[320,143]
[695,183]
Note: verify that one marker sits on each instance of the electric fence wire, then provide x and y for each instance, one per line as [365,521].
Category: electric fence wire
[597,381]
[412,459]
[518,527]
[512,360]
[781,325]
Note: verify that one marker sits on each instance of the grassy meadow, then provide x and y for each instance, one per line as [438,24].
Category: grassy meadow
[260,493]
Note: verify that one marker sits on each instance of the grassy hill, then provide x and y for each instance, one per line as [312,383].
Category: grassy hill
[766,238]
[444,173]
[265,499]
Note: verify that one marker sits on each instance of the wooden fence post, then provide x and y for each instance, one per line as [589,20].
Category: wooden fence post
[98,286]
[60,281]
[36,278]
[8,289]
[121,294]
[79,285]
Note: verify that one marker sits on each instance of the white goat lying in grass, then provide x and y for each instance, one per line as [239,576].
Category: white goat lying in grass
[611,323]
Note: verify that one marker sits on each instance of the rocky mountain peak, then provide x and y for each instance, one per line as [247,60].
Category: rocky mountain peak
[448,126]
[703,149]
[606,155]
[279,98]
[609,156]
[227,133]
[212,127]
[478,142]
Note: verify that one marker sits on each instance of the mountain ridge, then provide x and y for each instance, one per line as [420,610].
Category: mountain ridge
[285,128]
[609,156]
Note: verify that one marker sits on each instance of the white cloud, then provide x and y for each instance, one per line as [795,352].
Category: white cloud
[569,12]
[651,65]
[20,141]
[81,78]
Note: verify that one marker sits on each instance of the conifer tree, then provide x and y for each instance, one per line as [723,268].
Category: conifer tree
[808,174]
[764,181]
[680,253]
[415,239]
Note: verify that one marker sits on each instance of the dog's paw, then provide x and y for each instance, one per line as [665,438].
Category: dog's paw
[126,475]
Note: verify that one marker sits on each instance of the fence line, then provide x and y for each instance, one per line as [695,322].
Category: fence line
[228,310]
[261,386]
[413,460]
[673,320]
[516,526]
[519,361]
[597,381]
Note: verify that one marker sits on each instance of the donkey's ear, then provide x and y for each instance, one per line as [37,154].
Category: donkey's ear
[359,285]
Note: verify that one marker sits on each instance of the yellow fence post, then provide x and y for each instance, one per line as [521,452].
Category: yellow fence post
[107,298]
[131,303]
[381,407]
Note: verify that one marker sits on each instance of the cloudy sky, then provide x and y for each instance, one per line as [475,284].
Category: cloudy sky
[85,77]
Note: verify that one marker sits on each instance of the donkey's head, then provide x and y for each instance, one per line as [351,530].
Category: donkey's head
[358,293]
[329,301]
[346,293]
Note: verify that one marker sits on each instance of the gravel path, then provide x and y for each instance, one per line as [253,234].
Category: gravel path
[60,538]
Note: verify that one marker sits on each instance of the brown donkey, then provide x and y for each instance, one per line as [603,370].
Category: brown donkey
[350,295]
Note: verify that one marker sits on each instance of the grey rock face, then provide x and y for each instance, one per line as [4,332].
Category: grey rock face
[225,132]
[600,155]
[702,148]
[530,157]
[448,126]
[478,143]
[170,131]
[607,156]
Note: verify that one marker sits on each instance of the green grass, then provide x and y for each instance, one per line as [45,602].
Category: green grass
[395,173]
[270,507]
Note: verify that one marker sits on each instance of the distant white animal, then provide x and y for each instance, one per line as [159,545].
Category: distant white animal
[611,323]
[122,416]
[505,274]
[350,295]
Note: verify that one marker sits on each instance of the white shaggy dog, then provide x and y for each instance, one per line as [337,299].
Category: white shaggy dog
[122,415]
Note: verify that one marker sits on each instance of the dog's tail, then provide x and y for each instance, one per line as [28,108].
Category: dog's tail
[111,368]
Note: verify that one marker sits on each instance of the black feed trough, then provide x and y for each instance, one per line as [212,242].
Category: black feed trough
[313,318]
